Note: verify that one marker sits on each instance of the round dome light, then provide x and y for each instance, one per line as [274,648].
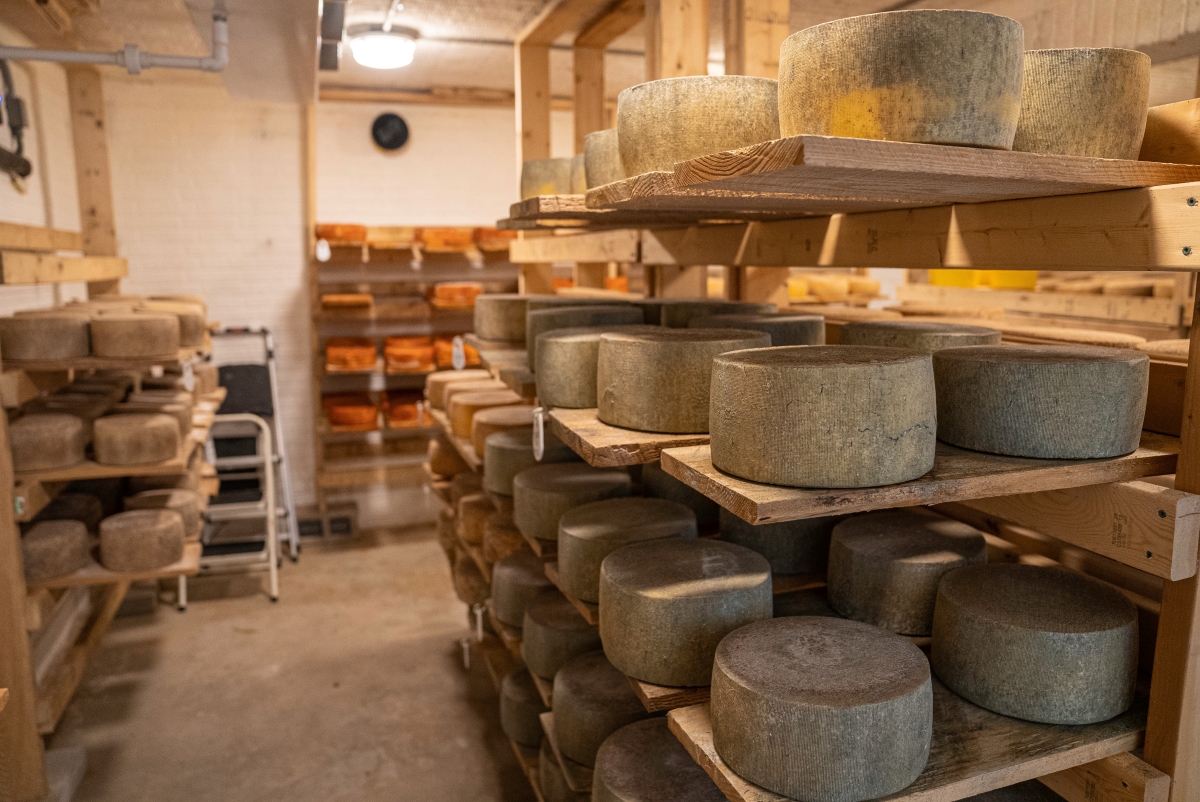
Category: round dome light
[382,50]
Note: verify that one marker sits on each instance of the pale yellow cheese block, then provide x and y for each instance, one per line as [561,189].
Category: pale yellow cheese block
[602,158]
[545,177]
[437,383]
[141,540]
[463,407]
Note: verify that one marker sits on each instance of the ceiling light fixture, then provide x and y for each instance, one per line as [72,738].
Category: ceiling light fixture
[384,50]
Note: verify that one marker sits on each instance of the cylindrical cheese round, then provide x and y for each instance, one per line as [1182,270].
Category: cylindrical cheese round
[507,454]
[473,512]
[784,329]
[520,707]
[58,548]
[659,381]
[666,604]
[193,321]
[183,413]
[437,382]
[1048,401]
[545,177]
[602,158]
[566,364]
[463,407]
[543,493]
[822,709]
[553,633]
[590,532]
[939,77]
[447,533]
[500,538]
[463,484]
[515,581]
[672,120]
[678,313]
[488,385]
[791,547]
[44,441]
[498,419]
[578,175]
[83,507]
[824,415]
[592,700]
[535,303]
[657,483]
[141,540]
[184,502]
[884,567]
[916,335]
[45,336]
[572,317]
[444,459]
[500,317]
[136,335]
[645,762]
[135,439]
[1084,101]
[552,781]
[469,584]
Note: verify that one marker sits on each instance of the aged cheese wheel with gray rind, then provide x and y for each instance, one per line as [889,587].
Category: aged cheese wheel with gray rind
[916,335]
[500,317]
[672,120]
[436,383]
[184,502]
[824,415]
[56,548]
[884,567]
[48,336]
[578,175]
[784,329]
[1047,401]
[813,731]
[488,421]
[1059,112]
[82,507]
[516,580]
[44,441]
[141,334]
[536,303]
[505,454]
[552,781]
[657,483]
[592,700]
[566,364]
[645,762]
[183,413]
[542,494]
[520,706]
[469,584]
[545,177]
[938,77]
[141,540]
[678,313]
[1036,643]
[602,158]
[553,633]
[135,439]
[666,604]
[573,317]
[590,532]
[659,381]
[791,547]
[500,538]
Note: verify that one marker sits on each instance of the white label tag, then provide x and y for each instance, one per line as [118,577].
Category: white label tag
[539,433]
[458,354]
[189,377]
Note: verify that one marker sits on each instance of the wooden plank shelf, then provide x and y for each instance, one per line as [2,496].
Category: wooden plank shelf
[657,698]
[546,549]
[571,211]
[96,574]
[85,363]
[463,446]
[589,611]
[527,759]
[510,636]
[579,776]
[545,689]
[404,275]
[605,446]
[957,475]
[89,469]
[18,237]
[973,750]
[24,268]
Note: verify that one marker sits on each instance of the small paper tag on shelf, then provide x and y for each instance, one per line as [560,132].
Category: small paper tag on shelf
[189,377]
[458,354]
[539,433]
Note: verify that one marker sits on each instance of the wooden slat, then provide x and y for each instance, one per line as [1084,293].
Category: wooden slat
[589,611]
[93,172]
[102,363]
[20,267]
[604,446]
[1164,401]
[96,574]
[464,447]
[94,470]
[18,387]
[621,245]
[657,698]
[16,237]
[533,101]
[556,18]
[3,699]
[509,636]
[1173,133]
[680,31]
[578,776]
[754,34]
[612,21]
[588,72]
[1117,778]
[696,245]
[1106,308]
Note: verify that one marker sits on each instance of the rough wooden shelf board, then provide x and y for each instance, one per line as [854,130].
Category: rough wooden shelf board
[89,469]
[957,475]
[605,446]
[545,689]
[657,698]
[527,758]
[17,237]
[96,574]
[546,549]
[21,267]
[579,777]
[104,363]
[510,636]
[558,211]
[462,445]
[589,611]
[3,699]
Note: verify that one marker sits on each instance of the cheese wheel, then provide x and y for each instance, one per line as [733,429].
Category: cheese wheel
[55,548]
[578,175]
[520,706]
[545,177]
[464,484]
[488,385]
[824,415]
[784,329]
[1048,401]
[566,364]
[571,317]
[135,439]
[939,77]
[1059,112]
[182,413]
[498,419]
[677,314]
[122,336]
[463,407]
[592,700]
[666,604]
[444,459]
[516,580]
[45,336]
[469,584]
[551,780]
[141,540]
[602,158]
[651,309]
[500,317]
[659,382]
[542,494]
[553,632]
[791,547]
[536,303]
[916,336]
[507,454]
[82,507]
[812,730]
[447,534]
[660,123]
[1036,643]
[590,532]
[185,502]
[884,567]
[657,483]
[645,762]
[473,512]
[193,320]
[436,383]
[44,441]
[500,538]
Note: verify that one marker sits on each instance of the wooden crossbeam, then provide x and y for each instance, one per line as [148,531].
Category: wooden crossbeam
[612,21]
[24,267]
[16,237]
[558,17]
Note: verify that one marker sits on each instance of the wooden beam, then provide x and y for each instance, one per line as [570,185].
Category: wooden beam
[1173,133]
[434,96]
[754,34]
[533,102]
[589,92]
[556,18]
[1117,778]
[54,14]
[1158,311]
[680,32]
[694,245]
[93,169]
[619,245]
[22,267]
[617,18]
[536,279]
[15,237]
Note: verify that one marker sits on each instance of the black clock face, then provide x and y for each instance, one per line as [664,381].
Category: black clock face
[389,131]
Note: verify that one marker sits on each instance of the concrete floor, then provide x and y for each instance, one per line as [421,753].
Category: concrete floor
[350,688]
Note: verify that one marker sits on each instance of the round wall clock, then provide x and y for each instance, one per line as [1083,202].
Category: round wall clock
[389,131]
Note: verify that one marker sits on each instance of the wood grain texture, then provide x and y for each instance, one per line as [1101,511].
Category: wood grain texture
[1117,778]
[18,267]
[605,446]
[16,237]
[96,574]
[1161,311]
[957,475]
[613,20]
[620,245]
[589,611]
[657,698]
[579,777]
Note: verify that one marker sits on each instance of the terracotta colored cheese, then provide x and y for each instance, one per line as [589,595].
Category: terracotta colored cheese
[916,336]
[545,177]
[657,483]
[436,383]
[500,538]
[602,158]
[82,507]
[135,439]
[520,706]
[136,335]
[469,585]
[184,502]
[141,540]
[678,314]
[55,548]
[553,633]
[542,494]
[592,700]
[516,580]
[824,415]
[498,419]
[645,762]
[506,454]
[791,547]
[570,317]
[473,512]
[463,407]
[44,441]
[566,364]
[47,336]
[552,781]
[443,458]
[784,329]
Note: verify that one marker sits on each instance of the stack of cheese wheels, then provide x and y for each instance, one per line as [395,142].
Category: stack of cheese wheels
[500,317]
[566,364]
[129,336]
[672,120]
[507,454]
[1059,114]
[578,175]
[469,585]
[516,580]
[824,415]
[545,177]
[939,77]
[43,441]
[1048,401]
[645,762]
[657,483]
[501,537]
[551,780]
[590,532]
[791,547]
[182,413]
[488,385]
[355,411]
[811,730]
[678,314]
[1036,643]
[884,567]
[592,700]
[666,604]
[58,548]
[82,507]
[436,383]
[135,439]
[553,633]
[473,512]
[444,460]
[659,381]
[487,422]
[184,502]
[602,158]
[542,494]
[520,707]
[925,337]
[784,329]
[141,540]
[455,294]
[463,407]
[572,317]
[45,336]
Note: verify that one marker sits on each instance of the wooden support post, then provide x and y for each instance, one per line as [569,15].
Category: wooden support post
[616,19]
[93,170]
[536,280]
[1119,778]
[676,38]
[754,33]
[670,281]
[533,102]
[590,274]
